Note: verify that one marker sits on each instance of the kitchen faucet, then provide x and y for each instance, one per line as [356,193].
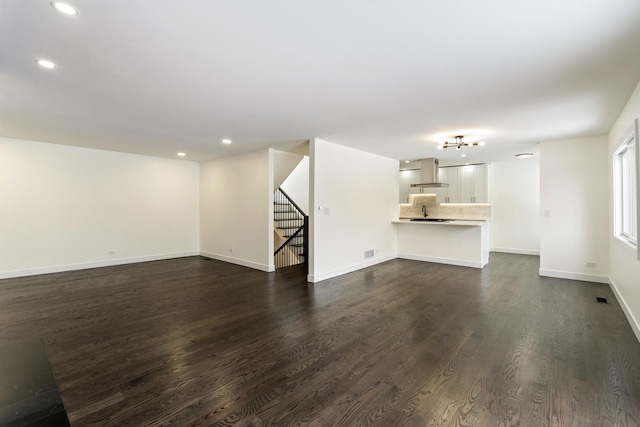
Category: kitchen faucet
[424,210]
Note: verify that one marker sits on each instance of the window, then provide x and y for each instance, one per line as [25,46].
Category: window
[625,196]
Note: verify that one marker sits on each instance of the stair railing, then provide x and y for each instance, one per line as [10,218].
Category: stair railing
[295,223]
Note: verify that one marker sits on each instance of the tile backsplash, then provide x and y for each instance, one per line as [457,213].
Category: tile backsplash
[413,209]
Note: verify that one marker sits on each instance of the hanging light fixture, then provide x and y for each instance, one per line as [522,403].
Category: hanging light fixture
[458,143]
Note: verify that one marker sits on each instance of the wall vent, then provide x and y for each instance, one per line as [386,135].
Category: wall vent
[369,253]
[601,300]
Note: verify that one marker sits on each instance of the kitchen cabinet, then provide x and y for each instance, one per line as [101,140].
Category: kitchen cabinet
[481,184]
[447,194]
[467,184]
[408,177]
[473,181]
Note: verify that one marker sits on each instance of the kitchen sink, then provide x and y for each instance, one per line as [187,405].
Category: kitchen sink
[431,219]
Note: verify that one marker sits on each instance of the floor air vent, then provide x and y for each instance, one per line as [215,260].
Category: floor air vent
[602,300]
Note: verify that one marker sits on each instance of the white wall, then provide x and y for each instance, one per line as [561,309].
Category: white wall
[283,164]
[297,185]
[65,208]
[236,209]
[624,267]
[574,191]
[515,205]
[360,191]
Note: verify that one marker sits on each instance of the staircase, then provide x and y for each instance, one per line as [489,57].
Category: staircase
[291,229]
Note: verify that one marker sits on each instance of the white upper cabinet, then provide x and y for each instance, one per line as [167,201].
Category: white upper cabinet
[480,192]
[467,184]
[408,177]
[447,194]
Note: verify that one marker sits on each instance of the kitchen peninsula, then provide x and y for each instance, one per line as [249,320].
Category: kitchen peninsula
[461,239]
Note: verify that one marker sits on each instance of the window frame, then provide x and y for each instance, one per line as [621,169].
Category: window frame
[626,189]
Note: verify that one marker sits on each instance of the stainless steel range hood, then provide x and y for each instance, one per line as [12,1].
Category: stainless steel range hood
[429,174]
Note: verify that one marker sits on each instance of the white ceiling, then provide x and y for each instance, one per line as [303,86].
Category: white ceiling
[158,77]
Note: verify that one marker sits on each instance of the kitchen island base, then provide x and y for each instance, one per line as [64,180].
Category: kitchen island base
[463,243]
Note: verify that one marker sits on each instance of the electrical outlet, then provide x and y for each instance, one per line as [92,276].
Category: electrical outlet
[369,253]
[592,265]
[547,213]
[230,250]
[327,211]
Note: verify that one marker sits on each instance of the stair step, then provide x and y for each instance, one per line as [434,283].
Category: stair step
[293,227]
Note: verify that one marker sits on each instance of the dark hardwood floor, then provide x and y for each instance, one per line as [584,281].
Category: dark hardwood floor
[199,342]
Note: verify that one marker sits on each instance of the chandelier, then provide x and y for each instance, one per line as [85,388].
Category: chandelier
[458,143]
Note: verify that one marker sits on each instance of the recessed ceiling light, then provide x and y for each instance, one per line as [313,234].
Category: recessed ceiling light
[406,161]
[463,155]
[45,63]
[63,7]
[181,154]
[524,155]
[226,141]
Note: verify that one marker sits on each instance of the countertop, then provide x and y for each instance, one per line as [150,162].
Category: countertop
[457,222]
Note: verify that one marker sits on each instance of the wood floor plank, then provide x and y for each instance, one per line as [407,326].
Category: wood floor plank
[199,342]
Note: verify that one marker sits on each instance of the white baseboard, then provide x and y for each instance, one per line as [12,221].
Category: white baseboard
[94,264]
[635,325]
[515,251]
[238,261]
[313,278]
[574,276]
[450,261]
